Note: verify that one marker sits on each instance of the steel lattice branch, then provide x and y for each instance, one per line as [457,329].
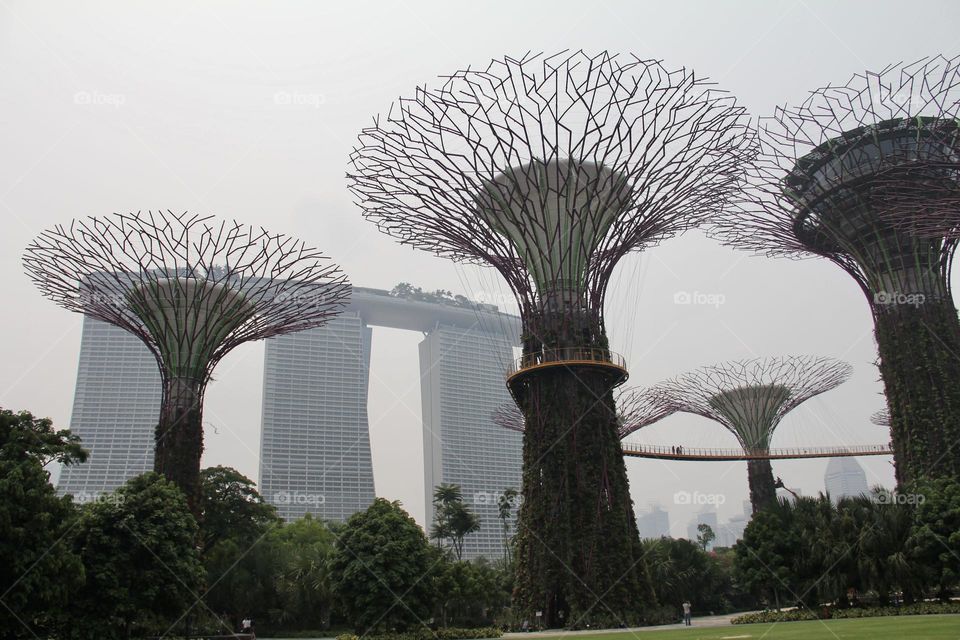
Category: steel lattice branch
[660,147]
[751,397]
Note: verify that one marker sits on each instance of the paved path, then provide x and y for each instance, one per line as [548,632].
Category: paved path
[704,621]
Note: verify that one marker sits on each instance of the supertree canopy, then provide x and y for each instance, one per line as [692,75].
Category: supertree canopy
[551,169]
[750,398]
[636,408]
[191,289]
[867,174]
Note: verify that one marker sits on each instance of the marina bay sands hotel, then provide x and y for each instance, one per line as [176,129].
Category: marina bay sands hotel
[314,440]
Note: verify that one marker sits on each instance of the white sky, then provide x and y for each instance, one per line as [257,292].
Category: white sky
[125,106]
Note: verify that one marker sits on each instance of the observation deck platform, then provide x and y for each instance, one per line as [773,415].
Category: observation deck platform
[610,363]
[662,452]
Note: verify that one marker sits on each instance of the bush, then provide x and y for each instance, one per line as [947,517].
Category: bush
[449,633]
[794,615]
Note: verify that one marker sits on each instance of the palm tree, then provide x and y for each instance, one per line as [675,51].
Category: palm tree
[883,559]
[504,510]
[447,494]
[462,522]
[444,495]
[452,519]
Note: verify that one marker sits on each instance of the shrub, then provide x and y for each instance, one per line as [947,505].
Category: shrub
[449,633]
[794,615]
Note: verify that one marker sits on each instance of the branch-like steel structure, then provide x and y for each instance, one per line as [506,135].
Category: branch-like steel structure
[191,289]
[750,398]
[636,408]
[550,169]
[867,175]
[881,418]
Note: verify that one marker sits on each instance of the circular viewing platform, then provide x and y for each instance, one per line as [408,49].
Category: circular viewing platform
[610,362]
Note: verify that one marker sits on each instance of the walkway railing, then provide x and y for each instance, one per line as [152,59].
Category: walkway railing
[640,450]
[567,356]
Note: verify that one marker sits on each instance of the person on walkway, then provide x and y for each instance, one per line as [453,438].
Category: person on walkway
[686,613]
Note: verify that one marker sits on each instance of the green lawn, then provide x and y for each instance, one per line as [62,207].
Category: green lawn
[893,628]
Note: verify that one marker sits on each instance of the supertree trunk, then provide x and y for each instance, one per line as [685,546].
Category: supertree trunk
[763,488]
[919,347]
[577,543]
[179,437]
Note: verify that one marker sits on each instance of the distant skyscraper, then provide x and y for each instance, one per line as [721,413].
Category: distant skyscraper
[315,438]
[462,384]
[315,443]
[115,409]
[731,531]
[845,477]
[655,523]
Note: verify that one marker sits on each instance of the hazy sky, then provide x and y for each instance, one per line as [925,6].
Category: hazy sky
[249,111]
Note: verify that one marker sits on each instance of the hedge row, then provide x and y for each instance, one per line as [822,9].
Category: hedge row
[794,615]
[449,633]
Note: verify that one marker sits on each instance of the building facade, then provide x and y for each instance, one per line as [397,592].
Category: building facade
[461,384]
[845,478]
[314,437]
[116,404]
[655,523]
[315,443]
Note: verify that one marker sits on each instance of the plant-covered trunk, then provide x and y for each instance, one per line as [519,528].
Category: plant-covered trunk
[919,346]
[763,488]
[179,438]
[577,540]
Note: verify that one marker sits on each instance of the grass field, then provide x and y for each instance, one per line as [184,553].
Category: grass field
[892,628]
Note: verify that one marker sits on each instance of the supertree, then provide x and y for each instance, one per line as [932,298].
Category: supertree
[191,289]
[551,169]
[866,175]
[750,398]
[636,408]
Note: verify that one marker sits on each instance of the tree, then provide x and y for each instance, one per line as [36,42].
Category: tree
[381,570]
[453,520]
[305,551]
[231,507]
[143,571]
[883,529]
[705,535]
[38,568]
[935,539]
[763,555]
[679,570]
[24,437]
